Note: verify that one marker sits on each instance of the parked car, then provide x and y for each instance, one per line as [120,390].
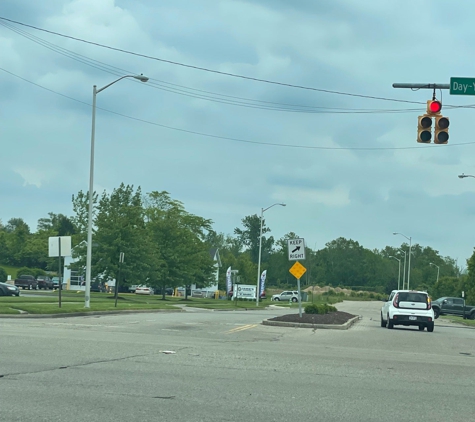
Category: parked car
[97,287]
[44,282]
[9,290]
[26,282]
[143,290]
[452,306]
[55,281]
[408,307]
[287,295]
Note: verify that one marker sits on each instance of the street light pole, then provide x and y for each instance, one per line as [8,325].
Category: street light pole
[95,91]
[260,252]
[399,274]
[404,272]
[438,269]
[409,264]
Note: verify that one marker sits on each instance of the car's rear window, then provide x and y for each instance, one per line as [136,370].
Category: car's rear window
[412,297]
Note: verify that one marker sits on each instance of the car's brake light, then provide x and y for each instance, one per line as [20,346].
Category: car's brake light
[395,304]
[429,303]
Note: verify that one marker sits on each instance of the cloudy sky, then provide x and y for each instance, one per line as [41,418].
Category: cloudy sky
[345,164]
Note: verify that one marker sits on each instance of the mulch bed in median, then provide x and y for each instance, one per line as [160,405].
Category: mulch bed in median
[330,318]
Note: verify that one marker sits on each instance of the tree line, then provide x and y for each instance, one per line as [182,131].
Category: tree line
[167,246]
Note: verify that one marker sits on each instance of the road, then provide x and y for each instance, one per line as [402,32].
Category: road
[226,366]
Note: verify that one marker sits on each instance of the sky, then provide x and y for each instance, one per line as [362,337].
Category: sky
[249,104]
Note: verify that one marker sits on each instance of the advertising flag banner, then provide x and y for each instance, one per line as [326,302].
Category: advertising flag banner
[229,285]
[262,283]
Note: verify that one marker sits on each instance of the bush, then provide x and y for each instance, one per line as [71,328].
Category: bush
[320,309]
[35,272]
[3,275]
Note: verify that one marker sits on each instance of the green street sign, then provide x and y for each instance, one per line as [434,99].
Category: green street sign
[462,86]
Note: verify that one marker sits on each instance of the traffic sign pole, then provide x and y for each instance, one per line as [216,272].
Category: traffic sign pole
[298,270]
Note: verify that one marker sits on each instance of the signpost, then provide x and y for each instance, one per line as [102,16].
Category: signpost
[462,86]
[59,246]
[298,270]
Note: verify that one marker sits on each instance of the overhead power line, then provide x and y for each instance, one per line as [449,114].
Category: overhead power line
[204,69]
[227,138]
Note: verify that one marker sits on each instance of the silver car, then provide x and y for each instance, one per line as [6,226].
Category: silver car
[287,295]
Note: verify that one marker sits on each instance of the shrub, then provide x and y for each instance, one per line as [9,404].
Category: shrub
[3,275]
[35,272]
[25,271]
[320,309]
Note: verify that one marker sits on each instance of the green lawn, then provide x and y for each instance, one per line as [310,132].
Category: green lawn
[47,303]
[10,270]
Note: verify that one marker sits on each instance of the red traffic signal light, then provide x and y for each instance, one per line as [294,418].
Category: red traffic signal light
[434,107]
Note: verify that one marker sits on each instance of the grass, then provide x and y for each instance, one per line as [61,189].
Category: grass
[10,270]
[74,302]
[46,302]
[458,320]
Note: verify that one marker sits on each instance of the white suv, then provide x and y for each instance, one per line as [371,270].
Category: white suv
[408,307]
[287,295]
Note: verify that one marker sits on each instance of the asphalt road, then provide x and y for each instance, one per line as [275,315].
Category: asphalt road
[228,367]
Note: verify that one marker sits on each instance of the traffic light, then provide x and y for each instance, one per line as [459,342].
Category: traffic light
[424,132]
[441,133]
[433,107]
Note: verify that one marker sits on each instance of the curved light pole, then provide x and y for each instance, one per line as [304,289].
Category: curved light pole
[409,264]
[430,263]
[399,275]
[260,251]
[96,91]
[463,176]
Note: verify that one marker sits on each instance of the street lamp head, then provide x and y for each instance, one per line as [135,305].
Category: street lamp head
[141,78]
[395,233]
[284,205]
[461,176]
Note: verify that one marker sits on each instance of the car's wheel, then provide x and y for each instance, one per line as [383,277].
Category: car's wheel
[472,315]
[277,299]
[383,322]
[390,323]
[430,327]
[436,313]
[421,327]
[294,299]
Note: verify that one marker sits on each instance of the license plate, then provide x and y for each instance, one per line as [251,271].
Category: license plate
[412,318]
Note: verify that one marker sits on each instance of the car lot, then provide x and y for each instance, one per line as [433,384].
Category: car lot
[228,367]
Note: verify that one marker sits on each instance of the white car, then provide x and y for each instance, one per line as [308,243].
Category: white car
[143,290]
[408,307]
[287,295]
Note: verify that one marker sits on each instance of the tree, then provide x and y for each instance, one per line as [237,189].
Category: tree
[249,236]
[179,248]
[16,239]
[121,229]
[58,224]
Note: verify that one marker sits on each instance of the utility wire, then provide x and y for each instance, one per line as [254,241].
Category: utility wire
[227,138]
[204,69]
[213,97]
[195,93]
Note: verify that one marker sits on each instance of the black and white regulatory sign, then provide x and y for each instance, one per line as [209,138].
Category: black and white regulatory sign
[296,249]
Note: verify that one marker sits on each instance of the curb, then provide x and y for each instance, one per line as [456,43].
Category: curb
[78,314]
[344,326]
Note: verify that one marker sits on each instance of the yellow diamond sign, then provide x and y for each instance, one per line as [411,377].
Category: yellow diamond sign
[297,270]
